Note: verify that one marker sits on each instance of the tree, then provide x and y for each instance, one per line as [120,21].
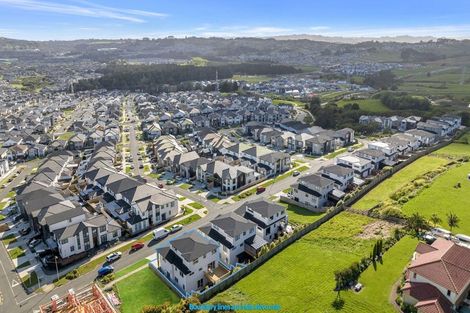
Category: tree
[452,220]
[416,223]
[435,219]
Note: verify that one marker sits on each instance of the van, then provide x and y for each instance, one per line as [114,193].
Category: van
[441,232]
[464,239]
[160,233]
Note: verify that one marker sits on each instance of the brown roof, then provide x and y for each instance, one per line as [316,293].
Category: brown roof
[448,266]
[430,299]
[424,248]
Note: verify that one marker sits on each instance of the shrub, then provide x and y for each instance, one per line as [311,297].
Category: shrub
[108,278]
[72,274]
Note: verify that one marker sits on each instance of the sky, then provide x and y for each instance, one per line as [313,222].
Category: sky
[83,19]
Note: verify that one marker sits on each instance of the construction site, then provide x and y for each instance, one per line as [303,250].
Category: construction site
[88,300]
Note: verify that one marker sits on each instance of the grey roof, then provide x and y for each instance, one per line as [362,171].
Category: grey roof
[370,152]
[123,184]
[264,208]
[69,231]
[192,245]
[316,180]
[337,170]
[232,224]
[173,258]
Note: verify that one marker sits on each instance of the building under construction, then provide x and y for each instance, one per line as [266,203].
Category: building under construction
[89,300]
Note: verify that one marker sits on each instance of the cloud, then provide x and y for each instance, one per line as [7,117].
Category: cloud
[84,9]
[319,28]
[451,31]
[242,31]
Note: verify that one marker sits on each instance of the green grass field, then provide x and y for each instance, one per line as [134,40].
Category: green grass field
[196,205]
[143,288]
[389,186]
[455,149]
[436,80]
[17,252]
[252,78]
[295,103]
[441,198]
[301,278]
[378,282]
[369,105]
[66,136]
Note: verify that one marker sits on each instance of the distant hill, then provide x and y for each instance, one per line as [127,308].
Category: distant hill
[354,40]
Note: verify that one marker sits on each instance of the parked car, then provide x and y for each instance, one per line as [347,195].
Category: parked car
[295,173]
[137,246]
[260,189]
[105,270]
[17,218]
[34,243]
[175,228]
[113,256]
[141,166]
[160,233]
[25,231]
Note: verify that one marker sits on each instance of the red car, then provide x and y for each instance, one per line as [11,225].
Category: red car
[260,189]
[137,246]
[160,186]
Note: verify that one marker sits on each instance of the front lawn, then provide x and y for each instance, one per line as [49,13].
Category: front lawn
[9,239]
[143,288]
[16,252]
[398,180]
[2,217]
[30,280]
[301,277]
[185,186]
[196,205]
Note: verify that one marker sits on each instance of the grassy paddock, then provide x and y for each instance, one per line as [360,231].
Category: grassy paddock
[304,271]
[389,186]
[443,197]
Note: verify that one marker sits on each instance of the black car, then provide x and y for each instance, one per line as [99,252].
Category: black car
[25,231]
[18,218]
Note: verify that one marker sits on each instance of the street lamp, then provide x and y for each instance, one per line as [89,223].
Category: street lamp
[56,267]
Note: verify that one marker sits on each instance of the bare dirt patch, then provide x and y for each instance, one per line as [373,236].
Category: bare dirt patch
[377,229]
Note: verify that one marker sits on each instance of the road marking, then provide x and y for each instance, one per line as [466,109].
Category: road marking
[14,283]
[1,298]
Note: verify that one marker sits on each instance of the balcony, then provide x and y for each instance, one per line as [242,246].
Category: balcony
[217,274]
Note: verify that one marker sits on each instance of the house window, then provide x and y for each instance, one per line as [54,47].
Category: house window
[196,261]
[102,228]
[200,283]
[72,248]
[414,275]
[64,241]
[268,230]
[448,293]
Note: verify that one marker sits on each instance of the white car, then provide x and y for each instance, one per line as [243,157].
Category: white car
[175,228]
[160,233]
[113,256]
[34,243]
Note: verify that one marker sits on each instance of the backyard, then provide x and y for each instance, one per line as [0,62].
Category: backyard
[143,288]
[301,278]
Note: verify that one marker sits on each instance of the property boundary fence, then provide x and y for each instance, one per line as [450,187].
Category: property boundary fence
[236,276]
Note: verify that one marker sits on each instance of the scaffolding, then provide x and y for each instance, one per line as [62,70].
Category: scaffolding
[89,300]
